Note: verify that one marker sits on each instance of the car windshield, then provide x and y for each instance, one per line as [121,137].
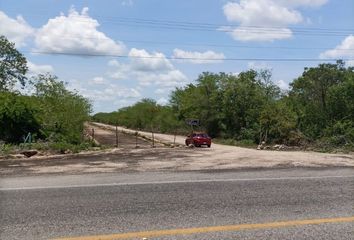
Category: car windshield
[203,135]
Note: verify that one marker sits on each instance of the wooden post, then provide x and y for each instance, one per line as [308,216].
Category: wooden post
[136,139]
[117,143]
[152,134]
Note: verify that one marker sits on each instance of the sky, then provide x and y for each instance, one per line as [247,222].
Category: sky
[116,52]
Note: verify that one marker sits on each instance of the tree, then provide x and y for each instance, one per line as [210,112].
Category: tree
[310,96]
[243,99]
[18,117]
[278,123]
[13,66]
[63,112]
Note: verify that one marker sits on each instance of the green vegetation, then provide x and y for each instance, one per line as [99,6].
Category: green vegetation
[52,114]
[247,108]
[144,115]
[241,109]
[13,65]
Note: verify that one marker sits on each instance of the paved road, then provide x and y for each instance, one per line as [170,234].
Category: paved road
[46,207]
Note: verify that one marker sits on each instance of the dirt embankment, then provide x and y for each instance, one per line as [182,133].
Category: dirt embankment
[128,158]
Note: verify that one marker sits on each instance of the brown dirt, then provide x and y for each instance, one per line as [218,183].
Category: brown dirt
[127,158]
[108,138]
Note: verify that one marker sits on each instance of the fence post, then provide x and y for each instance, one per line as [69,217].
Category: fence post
[153,139]
[136,139]
[117,142]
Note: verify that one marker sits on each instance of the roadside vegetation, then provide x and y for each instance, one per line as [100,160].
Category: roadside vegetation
[317,112]
[48,116]
[246,109]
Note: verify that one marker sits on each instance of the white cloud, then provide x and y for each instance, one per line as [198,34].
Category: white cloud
[258,65]
[144,61]
[262,34]
[343,50]
[300,3]
[107,91]
[261,12]
[127,3]
[162,101]
[274,17]
[167,79]
[163,91]
[75,33]
[35,69]
[199,57]
[97,81]
[282,85]
[148,69]
[16,30]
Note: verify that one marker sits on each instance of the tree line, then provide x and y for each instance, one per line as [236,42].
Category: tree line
[317,108]
[50,112]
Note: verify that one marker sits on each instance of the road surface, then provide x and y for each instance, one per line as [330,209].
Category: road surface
[194,205]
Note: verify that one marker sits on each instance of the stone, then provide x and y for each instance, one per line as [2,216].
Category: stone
[29,153]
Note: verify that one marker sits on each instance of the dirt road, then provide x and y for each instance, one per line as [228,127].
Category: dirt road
[235,157]
[145,158]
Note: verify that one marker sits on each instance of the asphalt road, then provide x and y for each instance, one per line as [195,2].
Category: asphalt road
[47,207]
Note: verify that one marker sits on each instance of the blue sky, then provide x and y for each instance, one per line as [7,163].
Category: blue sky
[116,52]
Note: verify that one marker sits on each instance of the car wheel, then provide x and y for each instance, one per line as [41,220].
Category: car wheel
[209,146]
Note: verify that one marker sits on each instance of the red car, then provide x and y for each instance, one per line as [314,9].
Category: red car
[198,139]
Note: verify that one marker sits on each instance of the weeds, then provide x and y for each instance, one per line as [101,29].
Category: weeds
[51,147]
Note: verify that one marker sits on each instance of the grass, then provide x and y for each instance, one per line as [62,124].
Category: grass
[52,147]
[319,146]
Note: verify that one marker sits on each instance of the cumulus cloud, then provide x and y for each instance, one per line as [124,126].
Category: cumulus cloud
[97,81]
[260,12]
[16,30]
[75,33]
[106,92]
[148,69]
[343,50]
[167,79]
[258,65]
[198,57]
[282,85]
[160,91]
[300,3]
[162,101]
[144,61]
[274,17]
[127,3]
[35,69]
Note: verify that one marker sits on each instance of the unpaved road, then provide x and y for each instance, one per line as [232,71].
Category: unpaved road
[145,158]
[235,157]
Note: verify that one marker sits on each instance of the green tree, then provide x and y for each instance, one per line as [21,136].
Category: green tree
[310,96]
[13,65]
[278,123]
[19,115]
[243,99]
[63,112]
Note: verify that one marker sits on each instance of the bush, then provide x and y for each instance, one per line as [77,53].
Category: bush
[18,117]
[341,133]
